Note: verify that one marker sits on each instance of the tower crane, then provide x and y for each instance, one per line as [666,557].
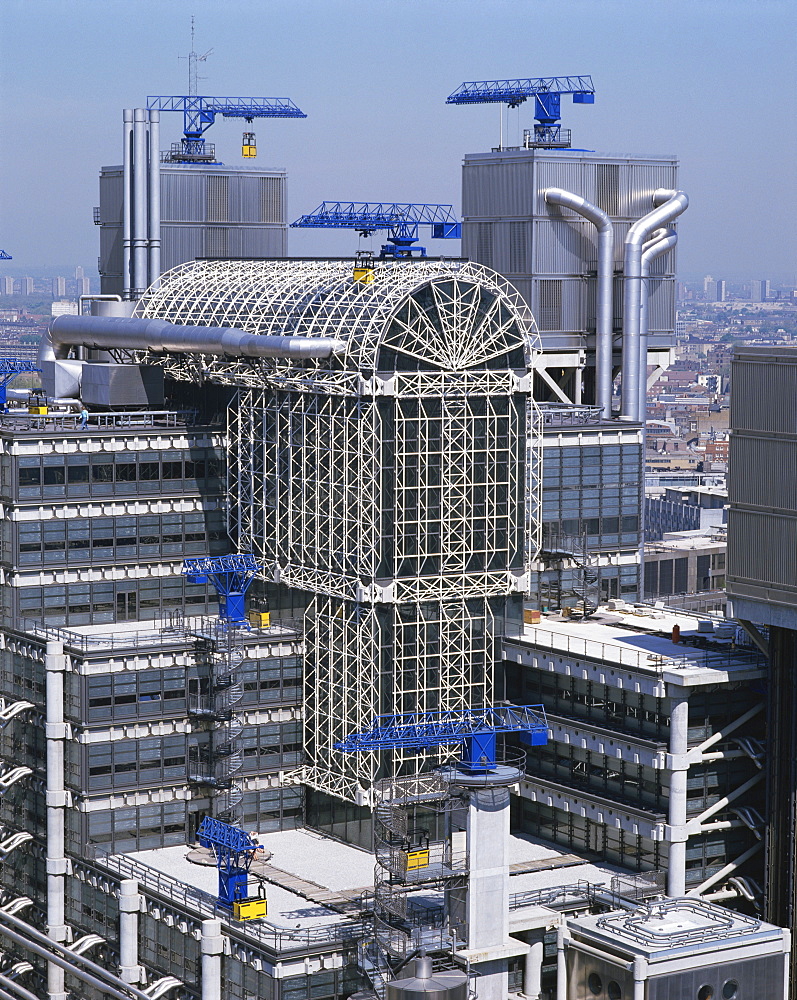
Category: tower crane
[5,256]
[401,221]
[233,851]
[474,728]
[546,91]
[199,113]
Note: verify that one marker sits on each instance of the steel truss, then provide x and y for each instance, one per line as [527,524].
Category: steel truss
[398,482]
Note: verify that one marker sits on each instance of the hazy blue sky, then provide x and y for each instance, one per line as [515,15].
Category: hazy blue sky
[711,80]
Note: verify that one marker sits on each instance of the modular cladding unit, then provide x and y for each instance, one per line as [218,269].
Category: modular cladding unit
[391,489]
[550,252]
[762,582]
[207,210]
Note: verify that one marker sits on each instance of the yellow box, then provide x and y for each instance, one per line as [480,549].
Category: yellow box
[417,859]
[260,619]
[531,616]
[40,410]
[364,275]
[250,909]
[248,150]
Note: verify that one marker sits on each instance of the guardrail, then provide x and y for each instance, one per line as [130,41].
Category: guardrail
[341,933]
[133,420]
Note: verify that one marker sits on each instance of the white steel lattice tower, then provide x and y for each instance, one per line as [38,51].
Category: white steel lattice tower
[394,484]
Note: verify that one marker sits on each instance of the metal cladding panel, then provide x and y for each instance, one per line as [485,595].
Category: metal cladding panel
[217,195]
[568,174]
[559,304]
[111,250]
[661,305]
[498,190]
[183,196]
[272,200]
[264,241]
[111,196]
[121,385]
[643,180]
[764,471]
[754,978]
[180,244]
[764,390]
[562,246]
[762,551]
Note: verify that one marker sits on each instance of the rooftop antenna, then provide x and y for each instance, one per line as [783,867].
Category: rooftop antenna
[193,58]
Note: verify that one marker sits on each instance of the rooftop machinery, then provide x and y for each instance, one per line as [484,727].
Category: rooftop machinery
[199,113]
[400,220]
[546,91]
[10,367]
[234,852]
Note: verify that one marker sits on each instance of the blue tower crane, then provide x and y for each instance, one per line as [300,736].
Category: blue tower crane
[234,852]
[400,220]
[199,113]
[5,256]
[546,91]
[10,367]
[230,575]
[474,728]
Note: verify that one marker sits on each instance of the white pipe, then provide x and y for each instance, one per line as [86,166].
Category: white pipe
[676,819]
[158,335]
[129,908]
[670,205]
[154,220]
[532,973]
[561,965]
[212,949]
[55,796]
[603,293]
[661,242]
[139,203]
[127,201]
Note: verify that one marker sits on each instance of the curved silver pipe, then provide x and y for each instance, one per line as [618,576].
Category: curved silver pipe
[158,335]
[603,293]
[661,242]
[670,205]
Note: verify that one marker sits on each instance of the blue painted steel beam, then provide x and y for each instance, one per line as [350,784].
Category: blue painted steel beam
[199,113]
[9,369]
[233,850]
[514,92]
[428,729]
[5,256]
[372,216]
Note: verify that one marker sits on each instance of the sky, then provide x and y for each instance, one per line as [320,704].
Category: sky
[712,81]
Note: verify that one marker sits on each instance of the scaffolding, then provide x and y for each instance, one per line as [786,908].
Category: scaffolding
[396,483]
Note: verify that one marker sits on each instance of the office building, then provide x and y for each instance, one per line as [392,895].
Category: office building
[59,287]
[762,582]
[760,289]
[6,285]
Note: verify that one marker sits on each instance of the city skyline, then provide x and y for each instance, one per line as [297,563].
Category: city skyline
[374,91]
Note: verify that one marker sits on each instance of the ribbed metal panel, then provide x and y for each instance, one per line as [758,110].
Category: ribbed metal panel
[764,471]
[763,549]
[643,180]
[111,250]
[111,197]
[571,176]
[661,304]
[764,392]
[217,195]
[558,304]
[272,200]
[179,244]
[562,246]
[263,241]
[182,196]
[498,190]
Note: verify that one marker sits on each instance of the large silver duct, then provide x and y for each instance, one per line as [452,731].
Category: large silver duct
[670,204]
[661,242]
[154,204]
[127,203]
[139,283]
[603,297]
[158,335]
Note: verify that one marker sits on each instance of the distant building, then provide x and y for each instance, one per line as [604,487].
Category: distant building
[693,508]
[760,289]
[59,287]
[26,286]
[6,285]
[79,273]
[83,286]
[64,307]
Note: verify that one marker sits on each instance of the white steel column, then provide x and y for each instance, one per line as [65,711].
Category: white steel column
[561,965]
[212,950]
[532,973]
[56,796]
[129,909]
[640,977]
[679,732]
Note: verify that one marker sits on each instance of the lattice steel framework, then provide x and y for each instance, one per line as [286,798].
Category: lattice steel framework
[396,482]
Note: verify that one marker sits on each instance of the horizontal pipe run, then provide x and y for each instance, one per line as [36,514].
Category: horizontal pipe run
[158,335]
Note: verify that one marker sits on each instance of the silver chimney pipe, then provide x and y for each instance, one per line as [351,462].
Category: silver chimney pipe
[127,203]
[603,294]
[661,242]
[670,205]
[139,284]
[154,221]
[158,335]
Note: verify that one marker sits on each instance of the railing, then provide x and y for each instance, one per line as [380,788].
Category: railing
[615,652]
[569,416]
[135,419]
[203,628]
[199,903]
[580,891]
